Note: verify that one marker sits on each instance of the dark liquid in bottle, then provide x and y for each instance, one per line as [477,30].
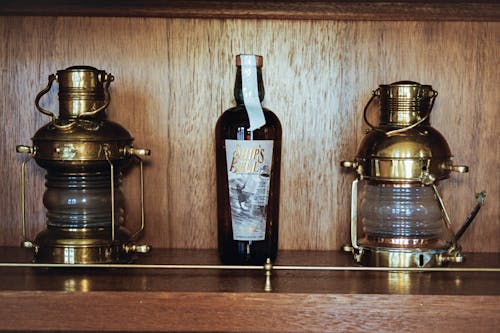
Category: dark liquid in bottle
[233,125]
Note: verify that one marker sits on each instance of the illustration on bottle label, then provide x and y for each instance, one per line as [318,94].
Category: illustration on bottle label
[248,173]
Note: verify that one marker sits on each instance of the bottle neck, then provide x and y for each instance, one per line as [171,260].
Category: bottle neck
[238,85]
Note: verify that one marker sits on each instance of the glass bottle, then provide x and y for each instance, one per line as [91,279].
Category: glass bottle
[248,178]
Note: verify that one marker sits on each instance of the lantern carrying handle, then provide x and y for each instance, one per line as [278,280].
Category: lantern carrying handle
[354,248]
[376,93]
[133,237]
[108,78]
[30,151]
[354,214]
[70,125]
[138,153]
[52,78]
[107,154]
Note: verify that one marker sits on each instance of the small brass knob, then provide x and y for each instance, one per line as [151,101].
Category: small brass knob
[22,149]
[268,267]
[460,168]
[457,168]
[348,248]
[142,248]
[349,164]
[137,151]
[27,244]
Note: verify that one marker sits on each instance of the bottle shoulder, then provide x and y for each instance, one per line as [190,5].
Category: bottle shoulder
[237,115]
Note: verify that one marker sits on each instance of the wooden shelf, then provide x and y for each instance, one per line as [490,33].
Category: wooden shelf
[483,10]
[216,300]
[162,66]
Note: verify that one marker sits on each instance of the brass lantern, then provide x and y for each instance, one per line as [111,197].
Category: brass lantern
[84,155]
[398,166]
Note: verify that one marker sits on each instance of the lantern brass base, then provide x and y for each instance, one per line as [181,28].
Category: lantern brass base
[82,246]
[406,258]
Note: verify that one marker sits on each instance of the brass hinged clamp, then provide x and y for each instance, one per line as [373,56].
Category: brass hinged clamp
[136,248]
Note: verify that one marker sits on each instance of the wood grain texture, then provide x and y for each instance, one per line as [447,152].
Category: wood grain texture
[174,77]
[442,10]
[245,312]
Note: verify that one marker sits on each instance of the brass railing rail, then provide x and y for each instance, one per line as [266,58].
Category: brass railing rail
[256,267]
[267,268]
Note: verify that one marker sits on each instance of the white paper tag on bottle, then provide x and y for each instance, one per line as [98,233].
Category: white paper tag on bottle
[249,165]
[251,92]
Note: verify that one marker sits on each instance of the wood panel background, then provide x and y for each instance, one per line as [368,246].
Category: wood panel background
[174,77]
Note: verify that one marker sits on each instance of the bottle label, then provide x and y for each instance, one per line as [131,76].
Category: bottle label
[251,92]
[248,173]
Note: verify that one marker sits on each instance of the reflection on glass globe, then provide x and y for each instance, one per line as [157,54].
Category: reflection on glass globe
[400,211]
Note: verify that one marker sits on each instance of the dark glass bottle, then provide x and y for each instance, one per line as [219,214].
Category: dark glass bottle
[254,178]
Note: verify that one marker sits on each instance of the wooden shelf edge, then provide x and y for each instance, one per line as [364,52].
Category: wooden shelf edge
[244,312]
[235,301]
[416,10]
